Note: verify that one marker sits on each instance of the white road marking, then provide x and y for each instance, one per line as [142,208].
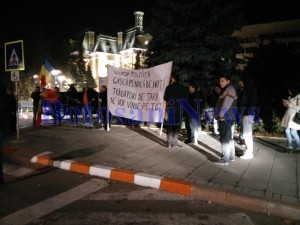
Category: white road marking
[15,171]
[34,212]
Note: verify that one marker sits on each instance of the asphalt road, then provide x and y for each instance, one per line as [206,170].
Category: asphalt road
[57,197]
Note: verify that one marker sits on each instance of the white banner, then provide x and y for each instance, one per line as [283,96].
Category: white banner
[138,94]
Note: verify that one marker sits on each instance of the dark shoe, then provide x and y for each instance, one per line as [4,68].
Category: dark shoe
[289,149]
[187,141]
[241,142]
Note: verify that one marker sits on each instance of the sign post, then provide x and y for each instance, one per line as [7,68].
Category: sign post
[15,77]
[14,62]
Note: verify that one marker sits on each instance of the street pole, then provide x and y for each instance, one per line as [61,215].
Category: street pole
[17,113]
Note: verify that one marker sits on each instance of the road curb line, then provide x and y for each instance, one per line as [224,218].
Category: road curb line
[246,201]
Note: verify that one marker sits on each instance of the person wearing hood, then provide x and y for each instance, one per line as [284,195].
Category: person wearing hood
[247,98]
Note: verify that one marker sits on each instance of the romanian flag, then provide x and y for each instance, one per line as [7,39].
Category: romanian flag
[45,74]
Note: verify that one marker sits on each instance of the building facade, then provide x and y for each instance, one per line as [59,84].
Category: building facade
[252,36]
[126,50]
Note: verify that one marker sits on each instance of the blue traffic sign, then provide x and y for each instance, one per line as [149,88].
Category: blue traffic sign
[14,56]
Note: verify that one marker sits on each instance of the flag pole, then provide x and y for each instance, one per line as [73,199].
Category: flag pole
[107,119]
[17,113]
[162,124]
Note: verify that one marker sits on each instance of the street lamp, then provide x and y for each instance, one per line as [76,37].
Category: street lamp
[61,78]
[55,72]
[35,78]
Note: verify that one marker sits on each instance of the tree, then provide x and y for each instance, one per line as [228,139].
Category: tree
[196,36]
[25,86]
[78,70]
[89,78]
[77,66]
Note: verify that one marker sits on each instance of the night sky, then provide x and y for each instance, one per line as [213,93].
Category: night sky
[23,18]
[260,11]
[49,19]
[71,17]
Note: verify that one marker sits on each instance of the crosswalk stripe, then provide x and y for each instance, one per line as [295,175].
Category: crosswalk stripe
[15,171]
[34,212]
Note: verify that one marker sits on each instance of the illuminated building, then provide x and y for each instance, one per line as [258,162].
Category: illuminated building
[126,50]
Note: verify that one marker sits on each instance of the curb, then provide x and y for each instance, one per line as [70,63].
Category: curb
[259,139]
[288,210]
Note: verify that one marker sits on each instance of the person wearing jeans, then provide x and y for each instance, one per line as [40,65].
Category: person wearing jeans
[291,131]
[290,134]
[224,106]
[226,129]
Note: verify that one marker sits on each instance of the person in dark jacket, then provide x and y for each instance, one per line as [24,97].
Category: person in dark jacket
[72,96]
[214,98]
[246,104]
[195,100]
[173,94]
[3,129]
[36,96]
[104,110]
[90,104]
[11,104]
[187,125]
[57,118]
[72,101]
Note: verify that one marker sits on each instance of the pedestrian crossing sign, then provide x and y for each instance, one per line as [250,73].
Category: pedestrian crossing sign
[14,56]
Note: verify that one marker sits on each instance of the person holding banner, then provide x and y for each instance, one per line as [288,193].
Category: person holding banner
[103,109]
[174,93]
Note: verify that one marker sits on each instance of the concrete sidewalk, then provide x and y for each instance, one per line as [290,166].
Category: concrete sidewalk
[268,183]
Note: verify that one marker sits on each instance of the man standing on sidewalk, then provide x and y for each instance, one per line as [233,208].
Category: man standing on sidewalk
[226,102]
[247,103]
[89,103]
[3,130]
[36,96]
[173,94]
[196,102]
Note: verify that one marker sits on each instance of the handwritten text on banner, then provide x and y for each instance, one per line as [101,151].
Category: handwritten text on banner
[138,94]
